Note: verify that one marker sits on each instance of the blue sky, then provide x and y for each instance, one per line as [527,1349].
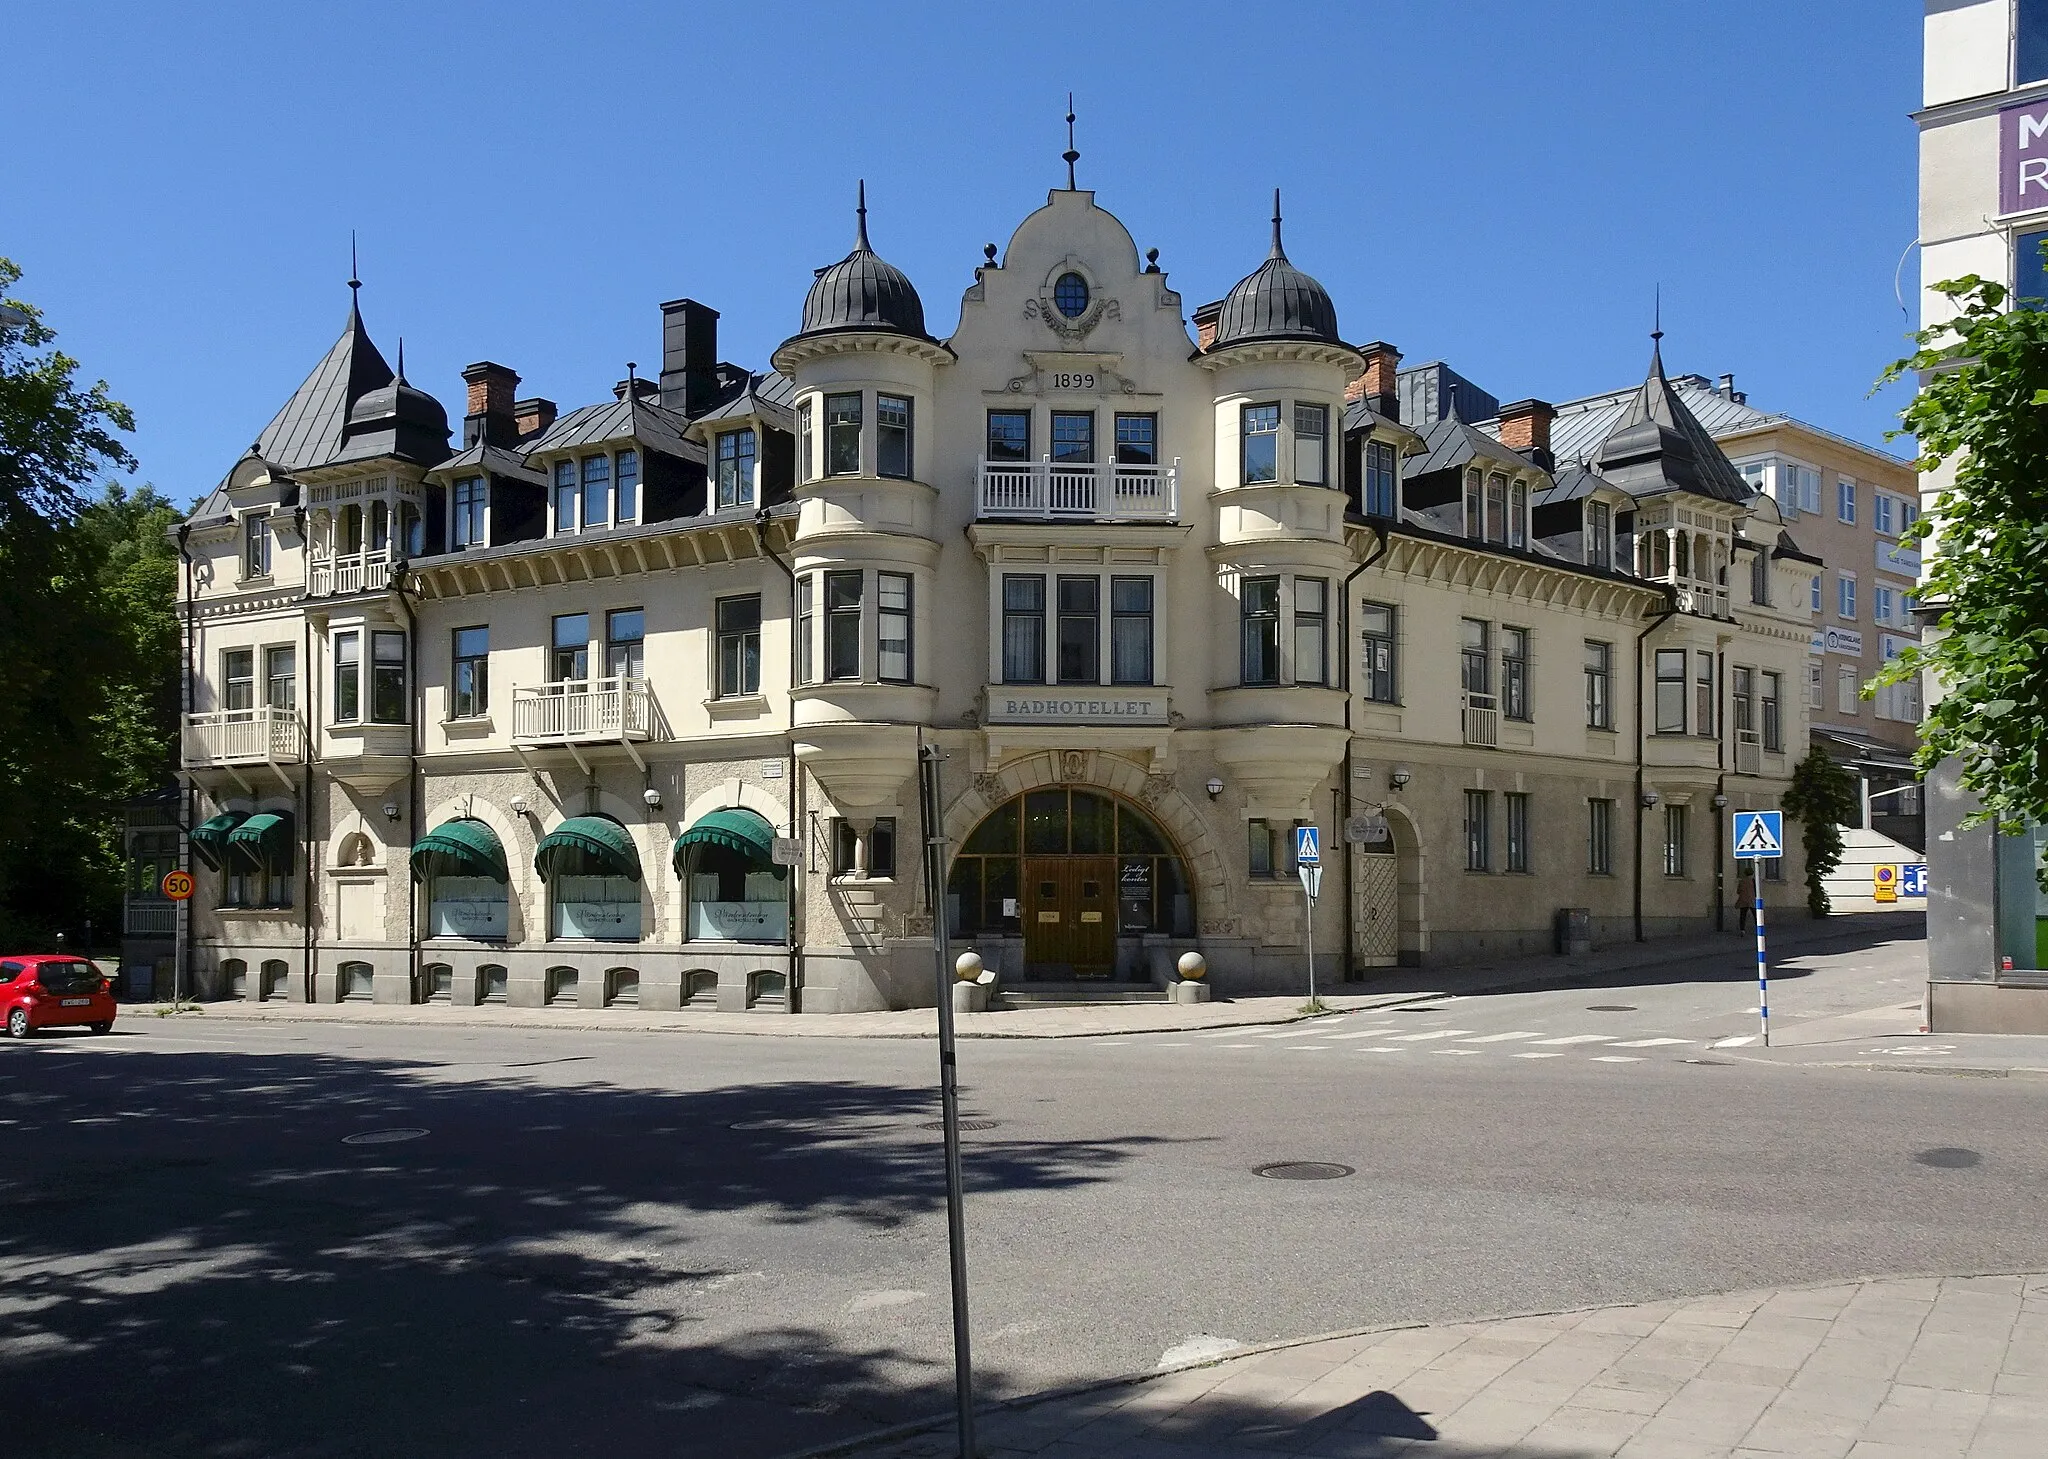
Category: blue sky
[1496,184]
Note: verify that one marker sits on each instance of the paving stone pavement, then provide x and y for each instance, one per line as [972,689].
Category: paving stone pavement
[1924,1368]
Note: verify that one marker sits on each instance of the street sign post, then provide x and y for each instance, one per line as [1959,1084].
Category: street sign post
[1884,883]
[177,885]
[1759,836]
[1308,865]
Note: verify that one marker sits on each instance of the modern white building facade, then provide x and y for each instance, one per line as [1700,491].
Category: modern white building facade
[625,705]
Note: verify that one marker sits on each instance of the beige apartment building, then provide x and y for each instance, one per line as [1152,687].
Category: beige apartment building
[624,705]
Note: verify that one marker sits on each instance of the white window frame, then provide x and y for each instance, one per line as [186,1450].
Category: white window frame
[1845,596]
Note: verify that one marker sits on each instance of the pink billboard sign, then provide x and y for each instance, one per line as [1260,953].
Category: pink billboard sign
[2023,158]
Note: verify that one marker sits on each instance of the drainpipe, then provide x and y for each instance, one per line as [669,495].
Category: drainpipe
[1720,791]
[181,958]
[794,936]
[312,720]
[399,570]
[1670,610]
[1344,792]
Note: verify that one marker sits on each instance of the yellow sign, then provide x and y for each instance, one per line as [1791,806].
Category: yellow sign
[1884,883]
[177,885]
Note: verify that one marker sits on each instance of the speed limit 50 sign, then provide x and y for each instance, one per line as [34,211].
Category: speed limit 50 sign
[177,885]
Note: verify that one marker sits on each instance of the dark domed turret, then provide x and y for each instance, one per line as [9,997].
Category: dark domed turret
[1278,302]
[863,292]
[397,418]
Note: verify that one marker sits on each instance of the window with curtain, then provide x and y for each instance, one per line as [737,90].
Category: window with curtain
[1259,608]
[892,627]
[842,625]
[1079,629]
[1479,830]
[1378,680]
[625,644]
[1311,630]
[281,676]
[1514,673]
[1599,684]
[1130,630]
[1023,629]
[1600,837]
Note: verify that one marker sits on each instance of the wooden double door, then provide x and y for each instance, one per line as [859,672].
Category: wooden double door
[1069,916]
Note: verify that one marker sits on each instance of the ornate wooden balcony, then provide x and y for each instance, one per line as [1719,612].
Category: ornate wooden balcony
[1079,491]
[573,713]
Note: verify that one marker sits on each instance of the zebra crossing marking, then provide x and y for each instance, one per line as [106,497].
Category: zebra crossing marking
[1537,1056]
[1581,1038]
[1440,1033]
[1501,1038]
[1649,1043]
[1617,1058]
[1736,1042]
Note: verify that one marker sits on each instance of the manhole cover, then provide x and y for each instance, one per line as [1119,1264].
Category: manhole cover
[1610,1008]
[1948,1157]
[964,1124]
[1303,1170]
[776,1122]
[382,1137]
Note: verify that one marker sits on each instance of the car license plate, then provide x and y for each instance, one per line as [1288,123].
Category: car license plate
[76,1003]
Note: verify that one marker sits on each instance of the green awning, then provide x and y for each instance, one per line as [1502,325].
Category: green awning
[265,841]
[210,838]
[736,830]
[587,846]
[460,848]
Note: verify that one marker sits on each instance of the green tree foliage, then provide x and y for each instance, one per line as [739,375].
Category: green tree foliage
[1983,407]
[88,638]
[1822,799]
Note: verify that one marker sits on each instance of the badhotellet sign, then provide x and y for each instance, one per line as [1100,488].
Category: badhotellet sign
[1008,707]
[2023,157]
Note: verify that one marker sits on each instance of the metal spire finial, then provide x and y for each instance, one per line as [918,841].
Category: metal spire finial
[354,282]
[1278,251]
[1657,315]
[1070,156]
[401,360]
[860,232]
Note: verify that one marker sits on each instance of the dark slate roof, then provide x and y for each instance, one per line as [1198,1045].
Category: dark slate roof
[863,292]
[396,419]
[1450,443]
[308,430]
[1659,445]
[1581,425]
[617,420]
[1277,301]
[755,400]
[1570,484]
[494,459]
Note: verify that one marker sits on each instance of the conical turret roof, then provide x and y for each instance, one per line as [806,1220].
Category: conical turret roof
[863,291]
[1277,302]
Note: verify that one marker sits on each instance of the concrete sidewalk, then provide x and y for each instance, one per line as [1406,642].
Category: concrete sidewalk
[1382,990]
[1936,1368]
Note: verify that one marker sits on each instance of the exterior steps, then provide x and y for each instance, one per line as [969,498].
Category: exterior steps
[1077,995]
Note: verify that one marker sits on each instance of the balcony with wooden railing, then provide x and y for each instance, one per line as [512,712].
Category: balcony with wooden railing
[1079,491]
[149,918]
[349,572]
[228,737]
[574,713]
[1482,719]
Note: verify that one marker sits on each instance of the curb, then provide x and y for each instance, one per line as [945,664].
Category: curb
[1534,981]
[843,1448]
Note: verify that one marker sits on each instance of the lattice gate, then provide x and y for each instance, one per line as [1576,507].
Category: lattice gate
[1375,911]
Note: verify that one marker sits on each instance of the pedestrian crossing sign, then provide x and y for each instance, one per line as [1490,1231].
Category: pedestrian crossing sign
[1759,834]
[1307,845]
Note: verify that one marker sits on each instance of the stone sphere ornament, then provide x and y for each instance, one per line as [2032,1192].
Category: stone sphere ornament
[1193,966]
[967,967]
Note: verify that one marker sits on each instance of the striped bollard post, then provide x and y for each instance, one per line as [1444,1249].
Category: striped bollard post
[1763,965]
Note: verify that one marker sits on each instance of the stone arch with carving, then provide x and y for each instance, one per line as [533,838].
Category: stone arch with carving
[1157,795]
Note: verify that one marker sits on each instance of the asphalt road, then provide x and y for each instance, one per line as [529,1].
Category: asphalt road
[629,1244]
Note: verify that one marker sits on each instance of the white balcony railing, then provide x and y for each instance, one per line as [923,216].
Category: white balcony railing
[579,711]
[1080,491]
[150,919]
[1702,599]
[1482,719]
[353,572]
[244,737]
[1749,752]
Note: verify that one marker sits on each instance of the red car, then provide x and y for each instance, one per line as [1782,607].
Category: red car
[41,990]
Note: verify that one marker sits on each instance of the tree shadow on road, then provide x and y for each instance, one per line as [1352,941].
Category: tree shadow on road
[194,1261]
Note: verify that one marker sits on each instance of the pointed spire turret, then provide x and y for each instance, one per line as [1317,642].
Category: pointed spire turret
[1278,252]
[1277,301]
[860,213]
[1070,156]
[861,291]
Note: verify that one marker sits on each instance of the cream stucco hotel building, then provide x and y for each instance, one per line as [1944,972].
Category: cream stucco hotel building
[624,705]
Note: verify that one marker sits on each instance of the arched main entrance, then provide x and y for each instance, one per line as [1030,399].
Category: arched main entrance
[1073,872]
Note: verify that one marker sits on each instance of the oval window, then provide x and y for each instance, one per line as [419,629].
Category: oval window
[1071,295]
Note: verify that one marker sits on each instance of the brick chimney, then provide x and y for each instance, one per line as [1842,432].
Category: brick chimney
[490,414]
[531,417]
[1205,324]
[689,356]
[1525,427]
[1376,386]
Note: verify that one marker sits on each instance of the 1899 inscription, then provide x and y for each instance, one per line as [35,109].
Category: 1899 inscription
[1067,380]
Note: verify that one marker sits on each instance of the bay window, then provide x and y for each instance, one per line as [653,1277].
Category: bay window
[1670,691]
[387,677]
[806,631]
[892,435]
[348,677]
[1311,444]
[806,469]
[597,491]
[1311,630]
[1774,730]
[842,625]
[892,627]
[565,496]
[1260,448]
[626,487]
[842,435]
[1704,695]
[1259,609]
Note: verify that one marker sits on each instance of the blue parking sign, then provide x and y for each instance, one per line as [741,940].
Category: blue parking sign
[1913,879]
[1307,845]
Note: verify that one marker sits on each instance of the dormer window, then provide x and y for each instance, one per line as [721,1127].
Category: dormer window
[256,545]
[1475,504]
[1070,295]
[626,485]
[565,496]
[737,451]
[1497,509]
[1599,535]
[1381,483]
[466,514]
[597,491]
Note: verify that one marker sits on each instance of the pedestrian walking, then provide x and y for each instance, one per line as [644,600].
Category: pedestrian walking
[1745,895]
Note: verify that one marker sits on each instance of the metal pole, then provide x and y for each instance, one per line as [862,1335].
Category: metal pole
[929,757]
[1311,944]
[1763,965]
